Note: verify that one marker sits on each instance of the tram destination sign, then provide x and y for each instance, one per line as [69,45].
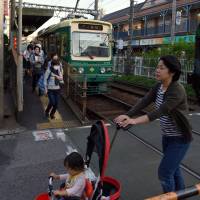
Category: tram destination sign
[90,27]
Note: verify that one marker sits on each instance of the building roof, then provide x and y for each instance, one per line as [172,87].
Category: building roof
[147,8]
[122,13]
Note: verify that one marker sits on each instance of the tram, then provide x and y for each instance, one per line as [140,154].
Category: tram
[84,46]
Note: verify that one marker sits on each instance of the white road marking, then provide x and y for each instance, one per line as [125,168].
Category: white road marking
[42,135]
[193,114]
[61,135]
[70,149]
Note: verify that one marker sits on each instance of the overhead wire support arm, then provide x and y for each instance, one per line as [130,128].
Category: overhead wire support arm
[58,8]
[76,5]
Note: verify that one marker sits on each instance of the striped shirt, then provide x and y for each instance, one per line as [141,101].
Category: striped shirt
[167,124]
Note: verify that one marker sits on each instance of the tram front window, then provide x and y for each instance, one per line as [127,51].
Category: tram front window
[90,44]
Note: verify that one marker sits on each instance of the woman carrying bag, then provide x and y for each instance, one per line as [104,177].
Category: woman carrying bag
[52,79]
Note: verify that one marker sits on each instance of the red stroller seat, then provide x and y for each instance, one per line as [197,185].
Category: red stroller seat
[99,142]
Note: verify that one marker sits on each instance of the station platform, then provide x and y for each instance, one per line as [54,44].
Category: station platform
[27,157]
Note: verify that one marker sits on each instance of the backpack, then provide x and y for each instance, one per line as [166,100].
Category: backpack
[40,83]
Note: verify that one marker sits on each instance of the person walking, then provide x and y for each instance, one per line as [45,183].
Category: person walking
[36,61]
[52,79]
[170,99]
[26,59]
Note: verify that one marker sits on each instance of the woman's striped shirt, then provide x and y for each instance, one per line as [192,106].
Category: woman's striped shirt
[167,124]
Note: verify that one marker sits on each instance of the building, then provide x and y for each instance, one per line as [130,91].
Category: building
[152,22]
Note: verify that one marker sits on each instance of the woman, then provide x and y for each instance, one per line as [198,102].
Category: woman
[26,57]
[52,78]
[171,107]
[36,61]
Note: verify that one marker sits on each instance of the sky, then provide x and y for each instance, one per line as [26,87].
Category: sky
[108,6]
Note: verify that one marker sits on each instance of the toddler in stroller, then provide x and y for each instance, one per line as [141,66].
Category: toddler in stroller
[74,185]
[78,186]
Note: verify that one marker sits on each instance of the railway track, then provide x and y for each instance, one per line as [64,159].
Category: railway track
[140,90]
[107,108]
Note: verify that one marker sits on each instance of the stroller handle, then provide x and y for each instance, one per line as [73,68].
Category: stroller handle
[50,186]
[123,128]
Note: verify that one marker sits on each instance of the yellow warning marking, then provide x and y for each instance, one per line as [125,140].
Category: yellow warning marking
[45,101]
[55,123]
[48,125]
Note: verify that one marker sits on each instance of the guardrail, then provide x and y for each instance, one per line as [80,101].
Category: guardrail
[146,66]
[179,195]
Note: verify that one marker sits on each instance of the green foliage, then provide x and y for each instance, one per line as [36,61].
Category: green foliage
[148,82]
[180,49]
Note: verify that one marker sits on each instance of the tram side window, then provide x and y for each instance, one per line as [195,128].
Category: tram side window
[63,47]
[58,43]
[52,43]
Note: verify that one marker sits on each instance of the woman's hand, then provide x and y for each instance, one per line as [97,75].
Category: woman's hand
[45,91]
[120,118]
[127,121]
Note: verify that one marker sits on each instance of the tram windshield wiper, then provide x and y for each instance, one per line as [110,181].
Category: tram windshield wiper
[90,56]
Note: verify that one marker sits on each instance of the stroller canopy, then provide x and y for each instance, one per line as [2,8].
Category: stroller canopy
[99,142]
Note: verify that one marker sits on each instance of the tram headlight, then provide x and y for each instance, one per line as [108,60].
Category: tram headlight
[81,70]
[103,70]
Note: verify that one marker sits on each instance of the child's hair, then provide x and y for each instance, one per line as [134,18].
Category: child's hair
[74,161]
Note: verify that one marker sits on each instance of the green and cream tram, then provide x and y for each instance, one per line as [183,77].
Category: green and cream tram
[85,48]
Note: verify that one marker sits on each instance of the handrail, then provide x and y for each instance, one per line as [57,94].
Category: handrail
[179,195]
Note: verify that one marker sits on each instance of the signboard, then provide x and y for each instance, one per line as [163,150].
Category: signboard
[152,41]
[186,38]
[135,42]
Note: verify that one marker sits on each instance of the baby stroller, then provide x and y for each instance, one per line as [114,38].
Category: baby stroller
[105,187]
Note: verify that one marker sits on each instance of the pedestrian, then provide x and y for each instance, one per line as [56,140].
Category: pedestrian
[52,79]
[36,61]
[26,59]
[54,56]
[170,100]
[75,180]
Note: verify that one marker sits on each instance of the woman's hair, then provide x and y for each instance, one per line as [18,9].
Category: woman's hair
[37,47]
[74,161]
[55,62]
[53,54]
[30,46]
[173,64]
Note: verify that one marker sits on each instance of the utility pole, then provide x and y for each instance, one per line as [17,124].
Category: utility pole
[96,7]
[12,23]
[20,61]
[173,27]
[131,13]
[129,49]
[1,62]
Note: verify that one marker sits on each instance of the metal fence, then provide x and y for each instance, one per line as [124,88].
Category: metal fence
[146,66]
